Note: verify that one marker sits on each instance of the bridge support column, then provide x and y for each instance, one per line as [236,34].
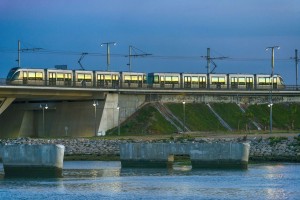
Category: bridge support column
[110,114]
[115,105]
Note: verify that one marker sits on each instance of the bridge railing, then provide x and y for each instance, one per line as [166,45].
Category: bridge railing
[41,83]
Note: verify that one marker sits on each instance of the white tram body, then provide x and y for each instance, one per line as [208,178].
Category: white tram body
[164,80]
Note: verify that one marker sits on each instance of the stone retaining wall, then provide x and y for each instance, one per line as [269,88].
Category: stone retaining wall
[261,149]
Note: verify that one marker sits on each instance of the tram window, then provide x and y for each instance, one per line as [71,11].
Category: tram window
[107,77]
[126,79]
[222,80]
[281,80]
[214,80]
[88,77]
[140,78]
[156,79]
[31,75]
[264,81]
[175,79]
[249,80]
[52,75]
[60,77]
[115,77]
[195,79]
[39,76]
[168,78]
[275,80]
[242,81]
[261,81]
[134,78]
[145,79]
[16,76]
[68,76]
[80,77]
[234,80]
[202,79]
[162,79]
[25,75]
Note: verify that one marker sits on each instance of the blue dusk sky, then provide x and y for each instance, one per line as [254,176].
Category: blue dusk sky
[176,32]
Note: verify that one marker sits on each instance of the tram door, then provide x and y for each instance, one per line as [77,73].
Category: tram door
[249,83]
[274,82]
[140,81]
[187,82]
[25,78]
[52,78]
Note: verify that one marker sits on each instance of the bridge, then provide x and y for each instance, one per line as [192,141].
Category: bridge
[44,111]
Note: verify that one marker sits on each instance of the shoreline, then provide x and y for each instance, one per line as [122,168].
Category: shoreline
[263,148]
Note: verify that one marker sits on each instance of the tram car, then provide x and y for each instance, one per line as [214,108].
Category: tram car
[241,81]
[264,82]
[218,81]
[194,81]
[106,79]
[57,77]
[26,76]
[164,80]
[133,79]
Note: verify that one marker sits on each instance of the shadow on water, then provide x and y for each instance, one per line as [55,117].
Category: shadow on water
[96,169]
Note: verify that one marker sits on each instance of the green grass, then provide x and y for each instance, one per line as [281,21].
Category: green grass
[231,114]
[198,117]
[284,117]
[146,121]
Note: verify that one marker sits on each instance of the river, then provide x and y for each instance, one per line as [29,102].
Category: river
[106,180]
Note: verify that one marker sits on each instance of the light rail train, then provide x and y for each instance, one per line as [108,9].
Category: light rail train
[157,80]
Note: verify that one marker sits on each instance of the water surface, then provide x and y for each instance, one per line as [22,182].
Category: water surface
[106,180]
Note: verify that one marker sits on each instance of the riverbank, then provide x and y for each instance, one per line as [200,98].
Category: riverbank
[284,148]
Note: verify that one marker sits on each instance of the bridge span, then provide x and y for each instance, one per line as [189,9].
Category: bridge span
[84,112]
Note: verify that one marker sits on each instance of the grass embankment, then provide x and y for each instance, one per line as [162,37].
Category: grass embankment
[232,115]
[284,117]
[198,117]
[148,121]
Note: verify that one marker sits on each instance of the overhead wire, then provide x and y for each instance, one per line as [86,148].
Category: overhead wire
[163,57]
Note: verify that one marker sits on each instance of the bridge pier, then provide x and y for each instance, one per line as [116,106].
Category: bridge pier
[202,155]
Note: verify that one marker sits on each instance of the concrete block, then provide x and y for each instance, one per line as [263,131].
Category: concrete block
[202,155]
[24,160]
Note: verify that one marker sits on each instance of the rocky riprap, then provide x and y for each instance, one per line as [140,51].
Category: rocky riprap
[261,149]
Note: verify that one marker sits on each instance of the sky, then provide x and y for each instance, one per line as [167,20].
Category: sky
[176,33]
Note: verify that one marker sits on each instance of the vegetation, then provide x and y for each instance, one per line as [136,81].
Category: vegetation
[145,122]
[233,116]
[198,117]
[148,121]
[284,116]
